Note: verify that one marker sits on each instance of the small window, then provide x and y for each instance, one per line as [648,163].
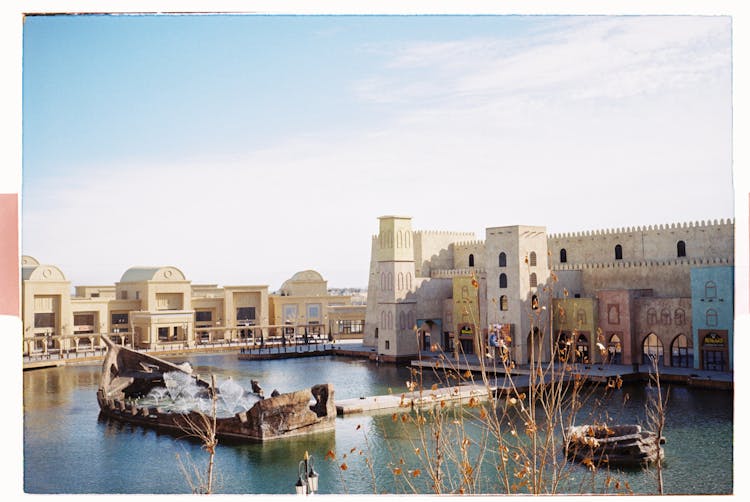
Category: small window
[710,290]
[203,316]
[387,345]
[504,302]
[563,256]
[246,314]
[503,282]
[712,318]
[471,260]
[502,260]
[651,316]
[532,280]
[120,318]
[681,249]
[532,259]
[618,252]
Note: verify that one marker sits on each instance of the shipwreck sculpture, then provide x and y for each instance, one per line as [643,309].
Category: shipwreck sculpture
[128,377]
[616,445]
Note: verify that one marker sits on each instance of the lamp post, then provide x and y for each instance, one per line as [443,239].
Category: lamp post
[307,478]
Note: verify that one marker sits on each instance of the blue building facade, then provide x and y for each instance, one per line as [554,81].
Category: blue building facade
[712,291]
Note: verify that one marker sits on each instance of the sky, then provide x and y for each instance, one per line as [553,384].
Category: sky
[245,148]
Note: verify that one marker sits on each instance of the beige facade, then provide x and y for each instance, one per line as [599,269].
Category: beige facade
[523,273]
[158,307]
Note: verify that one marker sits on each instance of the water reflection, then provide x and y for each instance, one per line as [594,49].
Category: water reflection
[63,437]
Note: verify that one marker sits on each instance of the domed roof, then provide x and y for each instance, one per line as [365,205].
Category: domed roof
[27,261]
[306,276]
[307,282]
[140,274]
[42,273]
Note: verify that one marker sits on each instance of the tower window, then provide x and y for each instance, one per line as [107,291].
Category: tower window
[503,282]
[502,260]
[563,256]
[532,259]
[618,252]
[471,260]
[681,249]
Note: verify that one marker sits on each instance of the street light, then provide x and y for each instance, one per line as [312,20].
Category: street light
[307,478]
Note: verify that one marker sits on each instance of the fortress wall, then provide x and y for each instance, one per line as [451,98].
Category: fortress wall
[432,249]
[665,278]
[652,242]
[462,250]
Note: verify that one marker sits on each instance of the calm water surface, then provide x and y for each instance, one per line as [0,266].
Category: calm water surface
[68,449]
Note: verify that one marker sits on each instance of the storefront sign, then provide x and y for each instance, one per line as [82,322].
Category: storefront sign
[713,339]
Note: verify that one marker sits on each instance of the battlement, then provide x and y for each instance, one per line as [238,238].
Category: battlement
[689,262]
[472,243]
[448,273]
[445,233]
[649,228]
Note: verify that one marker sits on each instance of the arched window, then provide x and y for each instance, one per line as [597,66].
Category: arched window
[653,348]
[681,249]
[712,318]
[399,239]
[400,281]
[618,252]
[614,347]
[383,320]
[401,321]
[534,302]
[504,302]
[651,316]
[390,281]
[503,282]
[532,259]
[390,320]
[563,256]
[408,281]
[407,239]
[679,317]
[710,289]
[465,292]
[471,260]
[666,317]
[682,353]
[502,260]
[532,280]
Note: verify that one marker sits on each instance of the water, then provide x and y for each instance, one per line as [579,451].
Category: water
[69,450]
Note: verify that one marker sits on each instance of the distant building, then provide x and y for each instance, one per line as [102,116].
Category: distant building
[158,307]
[619,295]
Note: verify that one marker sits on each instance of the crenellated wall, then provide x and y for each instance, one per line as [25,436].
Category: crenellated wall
[433,249]
[652,242]
[464,251]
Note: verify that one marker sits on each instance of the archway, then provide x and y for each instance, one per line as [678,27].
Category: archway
[682,352]
[535,346]
[582,349]
[614,348]
[653,349]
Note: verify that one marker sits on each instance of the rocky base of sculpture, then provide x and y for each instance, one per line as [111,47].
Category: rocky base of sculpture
[128,375]
[615,446]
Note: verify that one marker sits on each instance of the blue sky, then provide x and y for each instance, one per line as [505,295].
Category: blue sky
[242,149]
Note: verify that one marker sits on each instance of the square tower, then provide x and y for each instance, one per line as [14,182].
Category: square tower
[517,273]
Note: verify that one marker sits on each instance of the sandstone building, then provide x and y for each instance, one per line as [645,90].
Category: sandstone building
[663,290]
[158,307]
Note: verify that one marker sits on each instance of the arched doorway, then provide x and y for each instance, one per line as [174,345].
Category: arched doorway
[614,348]
[582,349]
[564,342]
[653,348]
[535,346]
[682,352]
